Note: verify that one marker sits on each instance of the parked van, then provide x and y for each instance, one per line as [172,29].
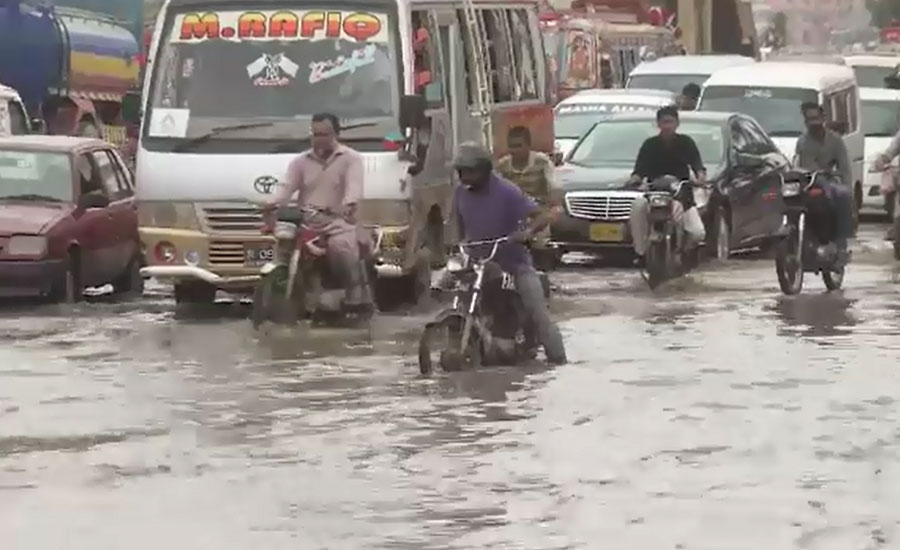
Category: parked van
[880,122]
[13,117]
[772,92]
[673,73]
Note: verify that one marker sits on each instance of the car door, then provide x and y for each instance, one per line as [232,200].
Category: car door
[92,226]
[120,212]
[769,179]
[739,188]
[125,207]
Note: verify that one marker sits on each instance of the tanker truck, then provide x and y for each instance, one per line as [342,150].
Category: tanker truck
[71,67]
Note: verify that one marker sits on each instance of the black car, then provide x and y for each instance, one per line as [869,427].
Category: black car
[742,208]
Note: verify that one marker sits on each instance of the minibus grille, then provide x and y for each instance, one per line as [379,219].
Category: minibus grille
[232,218]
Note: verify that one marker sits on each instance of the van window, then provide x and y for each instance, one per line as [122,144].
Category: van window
[18,121]
[880,118]
[852,104]
[840,108]
[777,110]
[672,82]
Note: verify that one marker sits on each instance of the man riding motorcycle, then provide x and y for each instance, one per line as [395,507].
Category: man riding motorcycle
[667,154]
[822,149]
[486,206]
[329,178]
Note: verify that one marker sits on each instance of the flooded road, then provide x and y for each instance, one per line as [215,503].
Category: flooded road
[715,414]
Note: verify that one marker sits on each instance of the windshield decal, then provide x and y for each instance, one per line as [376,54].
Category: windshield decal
[272,70]
[758,92]
[280,25]
[601,108]
[171,123]
[323,70]
[18,166]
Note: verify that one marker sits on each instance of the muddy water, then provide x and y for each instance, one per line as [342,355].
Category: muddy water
[715,414]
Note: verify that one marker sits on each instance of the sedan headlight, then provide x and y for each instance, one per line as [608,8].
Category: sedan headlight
[455,264]
[32,246]
[790,189]
[172,215]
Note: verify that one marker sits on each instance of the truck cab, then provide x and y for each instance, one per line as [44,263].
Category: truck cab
[13,116]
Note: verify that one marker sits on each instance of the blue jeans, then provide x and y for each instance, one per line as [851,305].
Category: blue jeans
[842,200]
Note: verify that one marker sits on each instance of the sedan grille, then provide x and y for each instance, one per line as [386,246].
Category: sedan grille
[608,206]
[233,218]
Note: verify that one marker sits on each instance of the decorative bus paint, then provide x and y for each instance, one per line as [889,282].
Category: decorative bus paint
[479,65]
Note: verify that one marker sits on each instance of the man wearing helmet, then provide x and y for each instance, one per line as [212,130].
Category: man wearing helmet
[487,206]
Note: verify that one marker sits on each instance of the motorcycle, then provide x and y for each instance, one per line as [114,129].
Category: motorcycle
[486,324]
[298,282]
[808,229]
[665,258]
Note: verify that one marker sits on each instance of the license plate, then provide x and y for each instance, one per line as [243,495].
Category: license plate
[257,255]
[607,232]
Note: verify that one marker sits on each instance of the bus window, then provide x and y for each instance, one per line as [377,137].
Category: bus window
[500,54]
[523,51]
[427,65]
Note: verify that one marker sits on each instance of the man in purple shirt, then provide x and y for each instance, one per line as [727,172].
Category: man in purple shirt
[486,207]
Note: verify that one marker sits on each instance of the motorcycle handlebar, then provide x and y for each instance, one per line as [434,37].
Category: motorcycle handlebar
[495,242]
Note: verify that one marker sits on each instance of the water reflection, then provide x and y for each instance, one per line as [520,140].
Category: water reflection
[815,315]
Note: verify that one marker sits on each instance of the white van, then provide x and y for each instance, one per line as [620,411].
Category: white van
[880,121]
[674,72]
[13,116]
[772,92]
[871,69]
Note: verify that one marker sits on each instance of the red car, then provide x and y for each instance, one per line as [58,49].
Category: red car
[68,218]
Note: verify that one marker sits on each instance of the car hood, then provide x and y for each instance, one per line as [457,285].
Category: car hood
[31,218]
[582,178]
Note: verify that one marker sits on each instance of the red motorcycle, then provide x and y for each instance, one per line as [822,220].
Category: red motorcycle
[298,282]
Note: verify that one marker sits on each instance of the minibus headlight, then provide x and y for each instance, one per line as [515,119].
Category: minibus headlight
[174,215]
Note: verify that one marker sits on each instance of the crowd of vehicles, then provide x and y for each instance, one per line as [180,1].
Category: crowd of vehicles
[227,101]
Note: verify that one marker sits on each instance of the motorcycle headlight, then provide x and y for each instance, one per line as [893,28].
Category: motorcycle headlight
[790,189]
[659,201]
[32,246]
[455,264]
[285,230]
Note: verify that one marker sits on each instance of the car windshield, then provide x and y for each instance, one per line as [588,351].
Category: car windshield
[617,142]
[672,82]
[35,176]
[776,109]
[880,118]
[872,77]
[234,68]
[572,121]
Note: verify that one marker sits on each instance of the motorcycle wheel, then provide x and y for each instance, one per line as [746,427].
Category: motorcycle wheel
[270,302]
[449,333]
[789,263]
[833,279]
[656,263]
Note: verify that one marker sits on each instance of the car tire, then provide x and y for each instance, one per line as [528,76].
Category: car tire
[131,280]
[720,242]
[68,288]
[195,293]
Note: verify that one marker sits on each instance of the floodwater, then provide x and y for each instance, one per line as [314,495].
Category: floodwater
[714,414]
